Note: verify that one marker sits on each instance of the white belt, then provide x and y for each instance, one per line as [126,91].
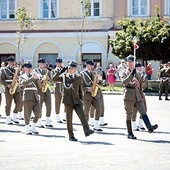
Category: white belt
[88,87]
[30,88]
[8,80]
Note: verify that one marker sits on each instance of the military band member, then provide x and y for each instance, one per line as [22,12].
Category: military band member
[72,98]
[132,81]
[88,100]
[44,92]
[92,111]
[164,82]
[58,89]
[30,83]
[20,115]
[8,74]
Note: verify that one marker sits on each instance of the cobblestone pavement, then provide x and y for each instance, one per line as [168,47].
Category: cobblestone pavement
[107,150]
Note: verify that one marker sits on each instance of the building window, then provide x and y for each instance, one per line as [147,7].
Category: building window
[139,7]
[96,57]
[167,7]
[95,8]
[7,9]
[49,58]
[49,9]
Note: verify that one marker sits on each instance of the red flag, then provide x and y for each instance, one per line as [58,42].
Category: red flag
[136,46]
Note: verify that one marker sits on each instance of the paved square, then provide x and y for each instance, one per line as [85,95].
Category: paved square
[108,150]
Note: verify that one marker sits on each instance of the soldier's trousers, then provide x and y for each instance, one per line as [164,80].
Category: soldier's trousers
[129,105]
[97,106]
[17,101]
[46,98]
[162,86]
[29,106]
[58,97]
[69,116]
[134,112]
[92,109]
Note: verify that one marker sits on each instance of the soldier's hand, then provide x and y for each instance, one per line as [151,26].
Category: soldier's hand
[9,86]
[63,69]
[133,72]
[90,90]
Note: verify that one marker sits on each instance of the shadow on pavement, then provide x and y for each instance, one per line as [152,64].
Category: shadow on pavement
[155,141]
[10,131]
[107,133]
[49,136]
[95,143]
[107,127]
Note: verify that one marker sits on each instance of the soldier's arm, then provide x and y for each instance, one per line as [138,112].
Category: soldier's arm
[126,79]
[84,88]
[2,78]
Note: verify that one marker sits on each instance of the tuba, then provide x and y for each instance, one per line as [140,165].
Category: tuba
[95,86]
[14,83]
[45,83]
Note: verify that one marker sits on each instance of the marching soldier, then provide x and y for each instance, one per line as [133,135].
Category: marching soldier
[92,109]
[44,92]
[30,83]
[164,82]
[138,127]
[58,89]
[72,98]
[9,77]
[132,81]
[88,100]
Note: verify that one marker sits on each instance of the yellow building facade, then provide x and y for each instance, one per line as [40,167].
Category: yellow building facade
[58,28]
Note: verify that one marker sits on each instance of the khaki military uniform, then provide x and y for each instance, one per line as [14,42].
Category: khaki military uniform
[58,92]
[72,97]
[30,98]
[7,74]
[45,97]
[133,96]
[164,83]
[88,100]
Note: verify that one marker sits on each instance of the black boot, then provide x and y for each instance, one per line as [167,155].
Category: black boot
[129,129]
[148,124]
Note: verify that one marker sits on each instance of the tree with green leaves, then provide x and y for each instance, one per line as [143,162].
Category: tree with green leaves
[26,24]
[153,38]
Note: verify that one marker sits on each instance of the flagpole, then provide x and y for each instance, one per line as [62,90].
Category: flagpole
[134,48]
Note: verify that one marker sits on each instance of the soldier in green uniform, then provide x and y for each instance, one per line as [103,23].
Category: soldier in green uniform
[30,83]
[72,97]
[44,92]
[164,82]
[88,100]
[133,97]
[58,90]
[7,77]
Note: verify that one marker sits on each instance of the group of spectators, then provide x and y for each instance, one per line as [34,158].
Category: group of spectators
[114,72]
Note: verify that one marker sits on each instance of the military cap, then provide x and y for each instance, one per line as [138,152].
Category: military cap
[59,60]
[90,62]
[72,64]
[11,58]
[41,60]
[138,65]
[28,65]
[130,58]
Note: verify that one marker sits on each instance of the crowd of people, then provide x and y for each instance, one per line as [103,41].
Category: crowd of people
[79,91]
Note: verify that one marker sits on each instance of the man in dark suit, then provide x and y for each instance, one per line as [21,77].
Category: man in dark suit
[72,98]
[132,80]
[30,83]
